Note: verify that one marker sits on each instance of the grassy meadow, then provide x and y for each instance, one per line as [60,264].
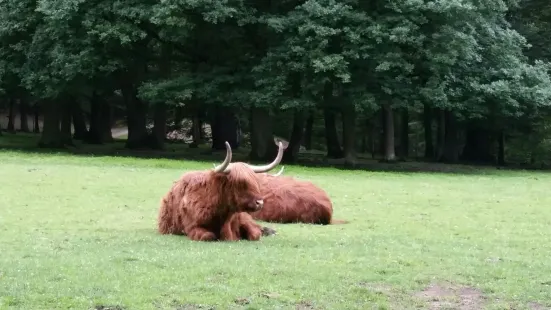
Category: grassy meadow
[79,232]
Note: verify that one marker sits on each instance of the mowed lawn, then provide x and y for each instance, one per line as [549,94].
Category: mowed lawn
[80,233]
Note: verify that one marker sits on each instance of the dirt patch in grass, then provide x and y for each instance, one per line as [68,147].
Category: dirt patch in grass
[378,288]
[192,307]
[536,306]
[179,305]
[270,295]
[242,301]
[448,296]
[111,307]
[304,305]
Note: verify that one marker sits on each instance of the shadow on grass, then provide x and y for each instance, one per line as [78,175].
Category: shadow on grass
[27,143]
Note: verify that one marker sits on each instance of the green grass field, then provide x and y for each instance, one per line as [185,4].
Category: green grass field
[80,233]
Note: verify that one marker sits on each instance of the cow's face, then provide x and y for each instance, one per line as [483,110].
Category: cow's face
[245,189]
[240,188]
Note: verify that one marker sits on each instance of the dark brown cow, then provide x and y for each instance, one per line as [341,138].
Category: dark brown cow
[201,203]
[287,200]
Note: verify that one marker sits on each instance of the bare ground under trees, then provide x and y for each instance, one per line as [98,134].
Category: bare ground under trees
[311,157]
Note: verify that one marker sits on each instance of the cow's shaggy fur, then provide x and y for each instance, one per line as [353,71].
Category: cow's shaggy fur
[201,203]
[287,200]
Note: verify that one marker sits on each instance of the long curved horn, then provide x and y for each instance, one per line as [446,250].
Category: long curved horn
[279,172]
[223,167]
[272,165]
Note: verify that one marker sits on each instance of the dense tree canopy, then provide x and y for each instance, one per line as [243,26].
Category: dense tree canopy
[455,79]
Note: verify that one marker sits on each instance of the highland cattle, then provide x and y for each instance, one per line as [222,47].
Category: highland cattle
[287,200]
[204,205]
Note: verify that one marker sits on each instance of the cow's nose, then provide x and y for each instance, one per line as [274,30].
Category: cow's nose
[259,203]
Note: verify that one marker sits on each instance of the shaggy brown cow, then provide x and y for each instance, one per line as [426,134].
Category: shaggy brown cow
[287,200]
[201,203]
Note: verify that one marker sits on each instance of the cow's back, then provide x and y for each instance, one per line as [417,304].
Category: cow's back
[287,200]
[181,203]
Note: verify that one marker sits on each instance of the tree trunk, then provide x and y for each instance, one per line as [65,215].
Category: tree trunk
[427,124]
[79,123]
[478,145]
[99,121]
[160,112]
[51,133]
[136,111]
[196,131]
[441,134]
[201,130]
[349,134]
[332,139]
[451,154]
[291,153]
[106,112]
[36,123]
[66,106]
[194,108]
[23,112]
[404,134]
[382,148]
[389,154]
[94,134]
[224,128]
[365,136]
[308,130]
[11,116]
[299,119]
[501,148]
[262,139]
[372,134]
[179,116]
[1,104]
[159,126]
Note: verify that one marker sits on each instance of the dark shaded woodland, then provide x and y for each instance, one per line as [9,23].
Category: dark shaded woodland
[440,81]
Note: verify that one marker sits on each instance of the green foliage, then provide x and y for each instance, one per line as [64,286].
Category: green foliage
[486,60]
[170,91]
[318,40]
[240,53]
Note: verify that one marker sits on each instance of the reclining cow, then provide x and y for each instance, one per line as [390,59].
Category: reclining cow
[287,200]
[206,205]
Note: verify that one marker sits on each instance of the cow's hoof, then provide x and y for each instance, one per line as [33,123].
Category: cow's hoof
[267,231]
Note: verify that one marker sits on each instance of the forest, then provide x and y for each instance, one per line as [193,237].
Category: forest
[443,80]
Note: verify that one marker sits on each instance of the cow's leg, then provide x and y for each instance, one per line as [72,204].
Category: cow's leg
[200,234]
[230,230]
[249,229]
[165,223]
